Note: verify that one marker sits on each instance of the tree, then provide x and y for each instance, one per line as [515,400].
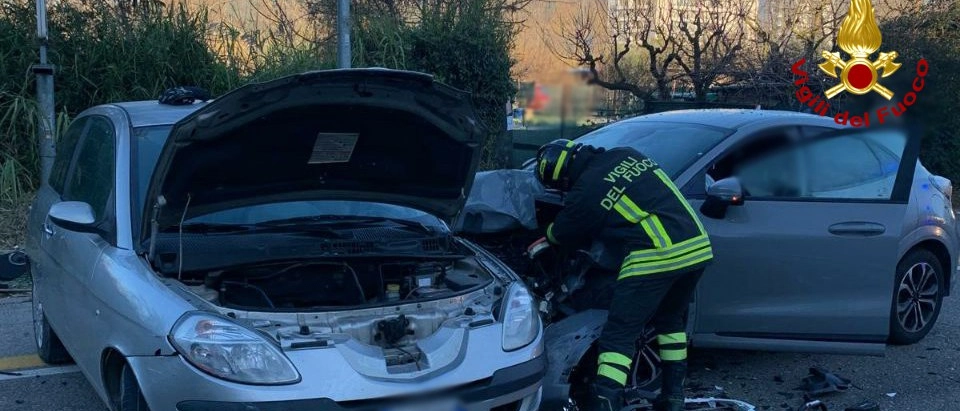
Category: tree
[624,48]
[710,36]
[538,35]
[932,33]
[464,43]
[784,33]
[694,44]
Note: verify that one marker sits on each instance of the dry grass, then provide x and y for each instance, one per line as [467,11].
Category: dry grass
[13,220]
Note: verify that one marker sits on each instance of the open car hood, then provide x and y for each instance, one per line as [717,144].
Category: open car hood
[354,134]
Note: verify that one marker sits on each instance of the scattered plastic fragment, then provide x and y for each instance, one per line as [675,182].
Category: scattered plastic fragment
[815,405]
[891,394]
[702,404]
[719,404]
[821,382]
[866,405]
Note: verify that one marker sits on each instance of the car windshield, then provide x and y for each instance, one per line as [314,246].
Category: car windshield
[675,146]
[148,141]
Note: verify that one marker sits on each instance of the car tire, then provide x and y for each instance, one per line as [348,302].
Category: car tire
[49,347]
[917,297]
[131,398]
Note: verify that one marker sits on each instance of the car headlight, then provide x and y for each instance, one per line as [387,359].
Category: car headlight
[521,322]
[230,351]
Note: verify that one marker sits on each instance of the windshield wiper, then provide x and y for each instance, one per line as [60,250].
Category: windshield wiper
[213,228]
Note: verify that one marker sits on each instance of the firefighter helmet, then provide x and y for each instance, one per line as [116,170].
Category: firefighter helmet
[553,163]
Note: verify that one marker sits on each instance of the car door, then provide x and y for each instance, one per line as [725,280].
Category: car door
[73,255]
[40,240]
[811,253]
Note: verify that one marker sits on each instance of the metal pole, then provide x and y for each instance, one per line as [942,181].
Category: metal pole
[343,34]
[44,73]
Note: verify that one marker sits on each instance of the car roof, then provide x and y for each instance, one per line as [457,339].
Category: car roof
[725,118]
[152,113]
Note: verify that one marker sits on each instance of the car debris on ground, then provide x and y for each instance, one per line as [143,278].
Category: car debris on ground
[866,405]
[13,264]
[702,404]
[814,405]
[821,382]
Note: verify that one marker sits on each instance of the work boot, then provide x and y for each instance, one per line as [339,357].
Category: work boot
[671,396]
[603,398]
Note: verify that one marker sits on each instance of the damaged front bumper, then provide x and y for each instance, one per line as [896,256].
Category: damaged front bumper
[515,388]
[486,379]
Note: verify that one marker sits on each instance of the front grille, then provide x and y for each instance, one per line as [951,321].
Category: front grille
[382,403]
[432,244]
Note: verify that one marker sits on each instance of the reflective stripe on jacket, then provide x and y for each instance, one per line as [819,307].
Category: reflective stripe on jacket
[622,197]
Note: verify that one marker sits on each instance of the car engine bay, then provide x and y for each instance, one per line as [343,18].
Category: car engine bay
[392,306]
[325,285]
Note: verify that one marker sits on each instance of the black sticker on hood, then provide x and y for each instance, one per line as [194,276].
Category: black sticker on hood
[333,148]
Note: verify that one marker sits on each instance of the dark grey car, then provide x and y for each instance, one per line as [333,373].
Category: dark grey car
[826,238]
[844,243]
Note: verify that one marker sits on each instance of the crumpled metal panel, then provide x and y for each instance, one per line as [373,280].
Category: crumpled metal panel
[501,201]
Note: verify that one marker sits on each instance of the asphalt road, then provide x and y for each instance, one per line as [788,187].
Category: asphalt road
[922,377]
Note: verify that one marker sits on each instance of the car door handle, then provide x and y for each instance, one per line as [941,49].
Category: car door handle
[47,228]
[858,229]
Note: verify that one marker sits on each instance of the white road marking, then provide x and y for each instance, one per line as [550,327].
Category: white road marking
[37,372]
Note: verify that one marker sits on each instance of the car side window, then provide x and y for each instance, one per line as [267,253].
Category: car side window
[66,149]
[764,165]
[850,167]
[774,174]
[92,178]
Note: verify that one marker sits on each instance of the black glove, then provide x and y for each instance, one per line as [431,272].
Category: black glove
[181,96]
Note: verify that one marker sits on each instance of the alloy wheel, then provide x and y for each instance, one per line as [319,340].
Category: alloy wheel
[917,297]
[646,365]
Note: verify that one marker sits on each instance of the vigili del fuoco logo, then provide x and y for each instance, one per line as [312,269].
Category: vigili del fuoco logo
[860,38]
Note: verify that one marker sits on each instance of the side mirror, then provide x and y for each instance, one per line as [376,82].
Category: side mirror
[74,216]
[721,195]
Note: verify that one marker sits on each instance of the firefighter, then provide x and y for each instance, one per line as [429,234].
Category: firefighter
[624,200]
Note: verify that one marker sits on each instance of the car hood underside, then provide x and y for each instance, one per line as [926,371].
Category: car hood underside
[359,134]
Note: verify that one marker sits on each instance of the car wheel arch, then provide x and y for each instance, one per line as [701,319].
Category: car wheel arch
[111,367]
[933,239]
[940,250]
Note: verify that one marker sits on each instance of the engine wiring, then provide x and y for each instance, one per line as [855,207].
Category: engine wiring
[412,357]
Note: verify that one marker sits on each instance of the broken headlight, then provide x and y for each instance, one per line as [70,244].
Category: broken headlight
[230,351]
[521,322]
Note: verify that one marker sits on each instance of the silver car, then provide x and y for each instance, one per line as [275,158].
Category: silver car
[284,247]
